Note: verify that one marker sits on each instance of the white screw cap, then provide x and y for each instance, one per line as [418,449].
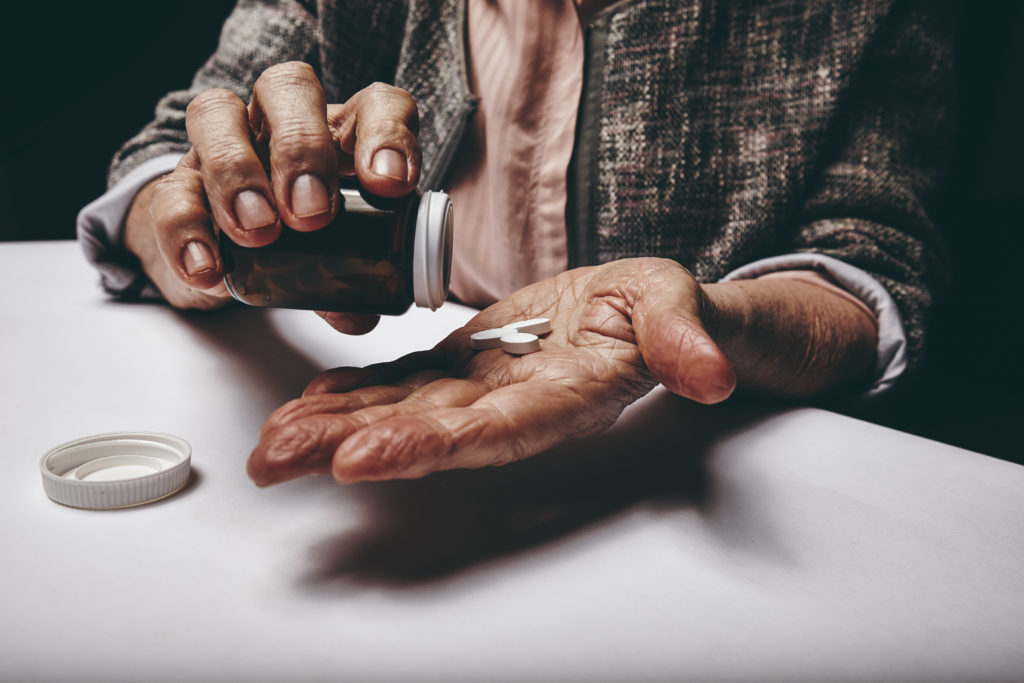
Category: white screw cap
[432,250]
[116,470]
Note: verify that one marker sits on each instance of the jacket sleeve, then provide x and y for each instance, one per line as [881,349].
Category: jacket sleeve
[870,204]
[255,36]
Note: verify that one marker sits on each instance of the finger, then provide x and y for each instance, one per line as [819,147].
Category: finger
[305,441]
[346,379]
[378,128]
[505,425]
[671,337]
[418,392]
[306,445]
[289,110]
[350,401]
[350,323]
[234,180]
[332,404]
[336,116]
[182,228]
[141,240]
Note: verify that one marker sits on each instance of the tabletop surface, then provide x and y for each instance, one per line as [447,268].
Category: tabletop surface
[686,543]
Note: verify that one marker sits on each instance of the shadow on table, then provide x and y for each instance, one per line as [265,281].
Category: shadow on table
[420,531]
[263,359]
[416,532]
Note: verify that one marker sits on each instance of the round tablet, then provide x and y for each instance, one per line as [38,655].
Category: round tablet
[488,339]
[536,326]
[518,343]
[116,470]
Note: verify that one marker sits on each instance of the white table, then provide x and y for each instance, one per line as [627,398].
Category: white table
[687,543]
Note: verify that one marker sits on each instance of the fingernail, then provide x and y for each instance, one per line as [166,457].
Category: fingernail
[390,164]
[197,258]
[309,197]
[253,210]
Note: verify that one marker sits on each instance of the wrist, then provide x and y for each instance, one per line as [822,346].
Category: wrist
[721,312]
[788,337]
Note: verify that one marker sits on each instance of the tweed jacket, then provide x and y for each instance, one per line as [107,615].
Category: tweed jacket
[712,132]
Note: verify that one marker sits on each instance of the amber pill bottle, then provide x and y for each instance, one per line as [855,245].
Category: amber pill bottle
[378,256]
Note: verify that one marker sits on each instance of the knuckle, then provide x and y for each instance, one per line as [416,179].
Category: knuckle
[391,99]
[223,155]
[179,215]
[172,188]
[288,70]
[300,438]
[167,184]
[378,89]
[386,129]
[285,414]
[389,111]
[295,142]
[285,75]
[213,101]
[177,210]
[386,90]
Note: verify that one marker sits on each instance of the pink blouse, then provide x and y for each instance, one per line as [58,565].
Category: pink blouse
[508,182]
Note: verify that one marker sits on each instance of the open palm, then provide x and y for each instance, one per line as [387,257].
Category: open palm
[617,330]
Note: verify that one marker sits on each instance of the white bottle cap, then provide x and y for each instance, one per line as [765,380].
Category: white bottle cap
[116,470]
[432,250]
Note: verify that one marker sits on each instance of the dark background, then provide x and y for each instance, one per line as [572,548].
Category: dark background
[81,78]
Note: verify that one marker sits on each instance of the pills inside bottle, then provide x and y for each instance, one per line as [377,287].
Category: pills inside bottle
[378,255]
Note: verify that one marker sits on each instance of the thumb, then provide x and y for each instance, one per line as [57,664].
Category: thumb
[675,346]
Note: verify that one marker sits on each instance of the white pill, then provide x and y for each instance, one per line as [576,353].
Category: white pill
[488,339]
[519,343]
[536,326]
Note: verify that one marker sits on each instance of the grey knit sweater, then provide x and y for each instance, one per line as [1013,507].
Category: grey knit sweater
[713,132]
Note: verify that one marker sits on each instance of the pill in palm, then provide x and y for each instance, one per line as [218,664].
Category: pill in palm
[519,343]
[536,326]
[488,339]
[517,338]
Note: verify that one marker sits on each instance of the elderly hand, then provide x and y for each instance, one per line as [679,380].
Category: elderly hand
[618,329]
[222,184]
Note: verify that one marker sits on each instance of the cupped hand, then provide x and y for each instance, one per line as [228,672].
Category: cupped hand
[253,168]
[618,330]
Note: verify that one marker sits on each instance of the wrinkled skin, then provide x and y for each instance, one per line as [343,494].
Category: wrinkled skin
[618,330]
[253,168]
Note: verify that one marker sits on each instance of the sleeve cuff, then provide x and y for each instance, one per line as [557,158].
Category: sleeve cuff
[891,357]
[101,232]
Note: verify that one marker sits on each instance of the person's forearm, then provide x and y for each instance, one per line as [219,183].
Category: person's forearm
[789,338]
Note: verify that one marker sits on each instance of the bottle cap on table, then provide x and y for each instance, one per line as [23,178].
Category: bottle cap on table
[116,470]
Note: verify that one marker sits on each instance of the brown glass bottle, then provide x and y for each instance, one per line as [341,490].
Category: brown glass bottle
[377,256]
